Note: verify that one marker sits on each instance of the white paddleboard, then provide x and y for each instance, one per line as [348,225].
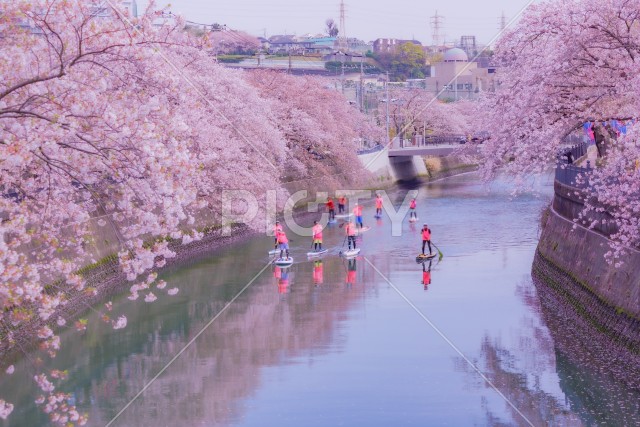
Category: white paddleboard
[363,229]
[283,262]
[331,221]
[344,215]
[413,219]
[274,252]
[350,252]
[317,253]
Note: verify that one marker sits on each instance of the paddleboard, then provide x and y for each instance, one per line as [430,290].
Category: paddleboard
[274,252]
[413,219]
[350,252]
[331,221]
[283,262]
[377,216]
[363,229]
[344,215]
[317,253]
[425,257]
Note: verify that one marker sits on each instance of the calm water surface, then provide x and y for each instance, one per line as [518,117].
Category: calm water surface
[333,343]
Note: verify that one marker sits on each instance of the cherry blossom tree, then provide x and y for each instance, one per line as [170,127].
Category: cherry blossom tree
[565,63]
[319,125]
[413,110]
[114,121]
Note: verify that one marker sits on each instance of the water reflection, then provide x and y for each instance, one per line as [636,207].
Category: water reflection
[426,274]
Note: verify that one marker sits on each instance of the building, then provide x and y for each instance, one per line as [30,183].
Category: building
[284,44]
[458,78]
[390,45]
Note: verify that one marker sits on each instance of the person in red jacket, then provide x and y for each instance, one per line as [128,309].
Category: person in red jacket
[331,207]
[341,202]
[426,238]
[378,206]
[276,228]
[412,209]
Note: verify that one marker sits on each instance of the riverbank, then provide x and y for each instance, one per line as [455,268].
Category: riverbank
[598,301]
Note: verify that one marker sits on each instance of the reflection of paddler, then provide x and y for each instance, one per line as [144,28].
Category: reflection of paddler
[283,281]
[351,272]
[426,275]
[318,278]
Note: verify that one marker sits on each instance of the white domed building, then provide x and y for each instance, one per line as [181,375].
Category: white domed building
[459,78]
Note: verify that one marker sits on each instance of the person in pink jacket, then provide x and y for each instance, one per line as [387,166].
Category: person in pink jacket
[412,209]
[284,243]
[317,236]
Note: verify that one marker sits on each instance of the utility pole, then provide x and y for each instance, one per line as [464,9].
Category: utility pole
[289,71]
[386,89]
[342,34]
[361,84]
[436,26]
[503,21]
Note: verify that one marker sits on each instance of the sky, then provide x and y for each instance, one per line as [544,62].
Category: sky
[364,19]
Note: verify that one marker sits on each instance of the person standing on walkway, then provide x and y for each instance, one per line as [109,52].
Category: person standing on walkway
[378,206]
[284,243]
[341,202]
[412,209]
[331,207]
[350,231]
[357,211]
[426,238]
[317,236]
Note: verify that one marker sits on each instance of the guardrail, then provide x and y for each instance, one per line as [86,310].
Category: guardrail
[573,176]
[373,149]
[570,154]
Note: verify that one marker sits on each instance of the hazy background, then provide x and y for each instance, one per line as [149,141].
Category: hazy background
[365,19]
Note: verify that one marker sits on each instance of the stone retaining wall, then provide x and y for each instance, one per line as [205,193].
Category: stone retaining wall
[580,253]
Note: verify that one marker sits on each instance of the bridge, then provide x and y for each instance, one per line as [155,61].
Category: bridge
[402,160]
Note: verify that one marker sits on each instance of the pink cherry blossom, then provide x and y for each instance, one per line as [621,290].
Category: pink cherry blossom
[565,63]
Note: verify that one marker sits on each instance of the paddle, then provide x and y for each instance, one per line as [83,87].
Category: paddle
[440,255]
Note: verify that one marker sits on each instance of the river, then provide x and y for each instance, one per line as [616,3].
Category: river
[344,344]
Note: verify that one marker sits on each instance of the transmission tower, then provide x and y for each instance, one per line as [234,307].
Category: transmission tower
[503,21]
[436,25]
[342,31]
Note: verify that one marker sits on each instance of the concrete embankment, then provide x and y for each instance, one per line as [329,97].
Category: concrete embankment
[592,307]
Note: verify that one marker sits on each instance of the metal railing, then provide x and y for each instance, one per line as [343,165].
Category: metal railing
[573,176]
[568,155]
[370,150]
